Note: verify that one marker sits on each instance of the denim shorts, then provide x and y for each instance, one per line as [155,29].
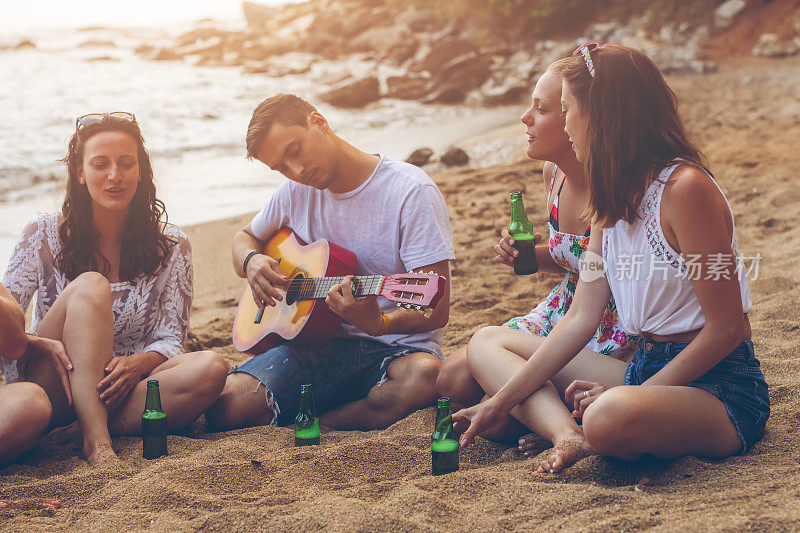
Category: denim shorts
[737,381]
[342,371]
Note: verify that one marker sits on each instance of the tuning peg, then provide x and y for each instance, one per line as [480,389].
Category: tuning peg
[399,304]
[431,272]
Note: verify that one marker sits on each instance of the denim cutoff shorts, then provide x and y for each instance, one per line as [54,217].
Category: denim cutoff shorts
[737,381]
[341,371]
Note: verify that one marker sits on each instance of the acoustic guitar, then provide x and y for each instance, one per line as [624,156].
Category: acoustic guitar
[313,269]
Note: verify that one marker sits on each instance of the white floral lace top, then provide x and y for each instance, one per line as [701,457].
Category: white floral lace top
[151,313]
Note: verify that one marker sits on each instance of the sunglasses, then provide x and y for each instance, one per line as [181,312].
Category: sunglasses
[94,118]
[586,50]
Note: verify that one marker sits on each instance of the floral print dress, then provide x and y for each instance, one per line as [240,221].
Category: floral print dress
[566,250]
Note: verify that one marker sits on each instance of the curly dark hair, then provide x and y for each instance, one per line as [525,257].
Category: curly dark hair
[145,248]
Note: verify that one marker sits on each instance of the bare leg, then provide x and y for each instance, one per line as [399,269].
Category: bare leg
[188,384]
[456,382]
[665,422]
[411,386]
[495,355]
[243,403]
[81,318]
[26,415]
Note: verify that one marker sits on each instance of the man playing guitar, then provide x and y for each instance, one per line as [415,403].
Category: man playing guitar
[383,362]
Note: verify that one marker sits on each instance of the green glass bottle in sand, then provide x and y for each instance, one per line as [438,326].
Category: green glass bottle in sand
[521,231]
[306,424]
[444,441]
[154,423]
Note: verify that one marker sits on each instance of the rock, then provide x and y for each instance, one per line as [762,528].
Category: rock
[93,43]
[468,71]
[507,94]
[407,87]
[454,157]
[273,69]
[724,14]
[445,50]
[447,95]
[145,50]
[25,43]
[769,46]
[166,54]
[401,51]
[203,34]
[417,21]
[378,40]
[354,94]
[258,15]
[420,156]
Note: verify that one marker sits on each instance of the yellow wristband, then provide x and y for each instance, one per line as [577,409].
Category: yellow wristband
[384,327]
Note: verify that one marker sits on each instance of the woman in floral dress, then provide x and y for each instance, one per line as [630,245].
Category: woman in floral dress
[569,236]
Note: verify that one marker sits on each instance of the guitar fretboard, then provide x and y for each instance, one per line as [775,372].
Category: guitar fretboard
[317,288]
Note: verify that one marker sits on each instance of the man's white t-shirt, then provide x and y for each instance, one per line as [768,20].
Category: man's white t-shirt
[394,222]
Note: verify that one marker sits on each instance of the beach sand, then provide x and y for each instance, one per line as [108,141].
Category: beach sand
[747,119]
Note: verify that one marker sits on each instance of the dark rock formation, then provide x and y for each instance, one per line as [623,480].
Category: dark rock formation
[354,93]
[420,156]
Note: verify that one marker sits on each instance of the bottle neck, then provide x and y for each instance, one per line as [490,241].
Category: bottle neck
[519,220]
[153,400]
[307,403]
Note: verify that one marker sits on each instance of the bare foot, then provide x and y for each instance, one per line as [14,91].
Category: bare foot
[527,443]
[99,453]
[566,452]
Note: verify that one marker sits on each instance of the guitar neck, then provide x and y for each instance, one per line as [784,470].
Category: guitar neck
[318,288]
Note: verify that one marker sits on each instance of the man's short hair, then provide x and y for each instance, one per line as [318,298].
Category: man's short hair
[286,109]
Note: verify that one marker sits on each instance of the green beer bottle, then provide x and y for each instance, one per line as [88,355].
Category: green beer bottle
[521,231]
[306,424]
[154,424]
[444,442]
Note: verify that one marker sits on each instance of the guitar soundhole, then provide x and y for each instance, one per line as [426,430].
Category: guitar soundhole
[295,288]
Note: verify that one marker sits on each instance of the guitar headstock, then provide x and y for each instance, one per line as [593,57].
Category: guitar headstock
[415,290]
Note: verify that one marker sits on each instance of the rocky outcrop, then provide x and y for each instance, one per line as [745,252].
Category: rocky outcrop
[416,55]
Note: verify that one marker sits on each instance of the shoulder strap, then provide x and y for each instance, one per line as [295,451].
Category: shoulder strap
[552,182]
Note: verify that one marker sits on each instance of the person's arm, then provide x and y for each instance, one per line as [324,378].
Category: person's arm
[13,339]
[567,338]
[263,272]
[692,201]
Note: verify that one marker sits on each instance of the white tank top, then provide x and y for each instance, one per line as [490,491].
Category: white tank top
[651,282]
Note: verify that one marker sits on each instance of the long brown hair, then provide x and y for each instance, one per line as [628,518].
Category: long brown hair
[144,246]
[634,130]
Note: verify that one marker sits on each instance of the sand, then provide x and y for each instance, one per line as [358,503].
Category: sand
[747,119]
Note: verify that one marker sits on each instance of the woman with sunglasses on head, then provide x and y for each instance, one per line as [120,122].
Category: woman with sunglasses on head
[566,186]
[111,248]
[663,244]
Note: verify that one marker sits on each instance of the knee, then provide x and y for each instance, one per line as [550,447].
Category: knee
[213,371]
[451,376]
[609,422]
[482,341]
[425,371]
[92,286]
[35,405]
